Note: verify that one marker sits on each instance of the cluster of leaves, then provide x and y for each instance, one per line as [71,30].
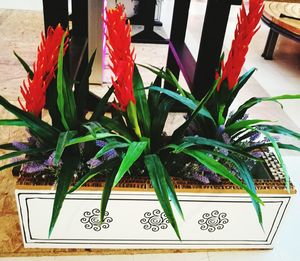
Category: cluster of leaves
[204,143]
[212,127]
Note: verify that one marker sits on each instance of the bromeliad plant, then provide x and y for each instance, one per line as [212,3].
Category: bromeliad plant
[223,134]
[76,148]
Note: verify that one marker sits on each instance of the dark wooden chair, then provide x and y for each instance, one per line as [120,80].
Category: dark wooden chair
[199,73]
[146,17]
[57,11]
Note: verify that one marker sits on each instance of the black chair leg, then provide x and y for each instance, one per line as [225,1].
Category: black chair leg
[270,45]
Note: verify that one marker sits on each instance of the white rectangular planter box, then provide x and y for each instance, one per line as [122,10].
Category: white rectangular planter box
[217,218]
[135,220]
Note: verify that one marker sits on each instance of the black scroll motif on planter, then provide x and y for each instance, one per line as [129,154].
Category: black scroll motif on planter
[155,221]
[92,220]
[213,221]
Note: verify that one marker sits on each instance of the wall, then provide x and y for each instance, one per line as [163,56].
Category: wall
[21,4]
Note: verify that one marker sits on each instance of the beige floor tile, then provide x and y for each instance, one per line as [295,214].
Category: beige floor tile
[201,256]
[95,257]
[260,255]
[45,258]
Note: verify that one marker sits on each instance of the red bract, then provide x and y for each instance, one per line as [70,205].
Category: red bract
[120,54]
[34,90]
[247,26]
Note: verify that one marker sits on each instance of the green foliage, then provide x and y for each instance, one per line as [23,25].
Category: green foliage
[116,126]
[15,164]
[242,124]
[63,139]
[22,152]
[218,168]
[278,154]
[15,122]
[65,96]
[246,176]
[70,164]
[109,146]
[90,137]
[193,141]
[157,174]
[133,153]
[253,101]
[185,101]
[25,66]
[178,133]
[107,191]
[142,108]
[209,135]
[37,127]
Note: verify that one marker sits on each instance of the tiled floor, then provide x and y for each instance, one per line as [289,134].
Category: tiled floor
[282,75]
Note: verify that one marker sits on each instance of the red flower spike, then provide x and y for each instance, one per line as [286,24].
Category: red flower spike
[120,54]
[34,90]
[246,28]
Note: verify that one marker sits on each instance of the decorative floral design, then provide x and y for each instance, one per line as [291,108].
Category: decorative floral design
[92,220]
[213,221]
[155,220]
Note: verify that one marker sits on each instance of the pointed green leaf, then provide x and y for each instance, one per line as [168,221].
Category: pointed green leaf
[25,66]
[218,168]
[109,146]
[93,127]
[172,193]
[133,153]
[279,130]
[183,100]
[70,164]
[21,152]
[143,112]
[91,174]
[14,164]
[288,146]
[63,139]
[107,191]
[245,175]
[159,119]
[39,128]
[195,140]
[232,95]
[51,101]
[10,122]
[115,126]
[157,176]
[280,159]
[239,125]
[178,133]
[7,146]
[65,96]
[253,101]
[90,137]
[247,178]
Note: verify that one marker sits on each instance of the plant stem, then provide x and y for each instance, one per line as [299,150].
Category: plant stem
[132,116]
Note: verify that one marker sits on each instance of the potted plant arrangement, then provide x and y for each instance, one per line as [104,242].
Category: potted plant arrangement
[218,181]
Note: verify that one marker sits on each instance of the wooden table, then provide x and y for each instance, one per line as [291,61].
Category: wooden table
[283,18]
